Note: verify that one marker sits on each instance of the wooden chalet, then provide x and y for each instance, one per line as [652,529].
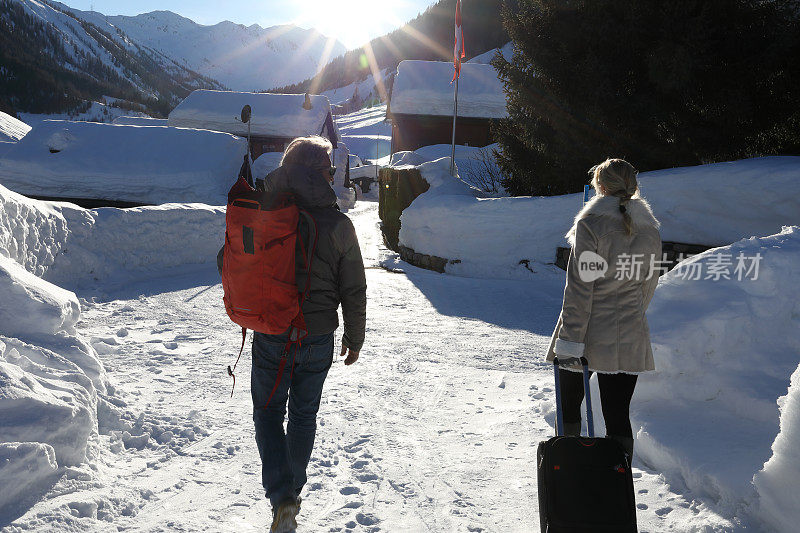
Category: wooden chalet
[421,104]
[275,119]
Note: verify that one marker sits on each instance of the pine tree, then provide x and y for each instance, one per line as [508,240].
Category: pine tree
[661,84]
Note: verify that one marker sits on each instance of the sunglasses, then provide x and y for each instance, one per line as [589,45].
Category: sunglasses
[330,169]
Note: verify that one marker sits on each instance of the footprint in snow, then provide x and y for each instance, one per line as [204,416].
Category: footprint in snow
[353,505]
[663,511]
[356,446]
[366,519]
[347,491]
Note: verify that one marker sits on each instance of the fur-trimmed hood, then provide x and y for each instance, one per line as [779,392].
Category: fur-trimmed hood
[307,184]
[608,206]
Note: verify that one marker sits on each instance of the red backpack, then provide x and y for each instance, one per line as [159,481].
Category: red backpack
[259,262]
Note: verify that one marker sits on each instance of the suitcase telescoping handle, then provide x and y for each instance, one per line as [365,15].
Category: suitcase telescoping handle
[587,394]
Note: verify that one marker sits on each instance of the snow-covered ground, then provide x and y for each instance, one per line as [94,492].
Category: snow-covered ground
[139,121]
[369,89]
[434,429]
[366,132]
[97,112]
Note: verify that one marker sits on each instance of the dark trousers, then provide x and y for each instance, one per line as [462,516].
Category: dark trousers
[285,456]
[616,391]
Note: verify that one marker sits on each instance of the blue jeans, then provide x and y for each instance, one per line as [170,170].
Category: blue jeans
[285,456]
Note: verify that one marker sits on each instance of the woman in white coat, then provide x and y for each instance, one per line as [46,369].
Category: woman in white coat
[611,276]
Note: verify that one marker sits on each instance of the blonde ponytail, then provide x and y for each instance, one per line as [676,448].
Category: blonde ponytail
[617,177]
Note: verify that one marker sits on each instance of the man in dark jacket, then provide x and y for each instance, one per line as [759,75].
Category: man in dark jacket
[336,276]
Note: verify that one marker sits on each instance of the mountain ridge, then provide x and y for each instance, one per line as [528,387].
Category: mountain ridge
[252,64]
[58,59]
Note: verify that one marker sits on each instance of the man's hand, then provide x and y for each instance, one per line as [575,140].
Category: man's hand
[352,355]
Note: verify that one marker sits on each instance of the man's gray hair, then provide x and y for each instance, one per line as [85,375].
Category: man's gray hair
[307,151]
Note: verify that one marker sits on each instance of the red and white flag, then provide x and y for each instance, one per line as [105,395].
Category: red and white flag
[458,47]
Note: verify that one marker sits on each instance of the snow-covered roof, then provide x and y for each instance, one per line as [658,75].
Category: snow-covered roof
[12,129]
[123,163]
[273,115]
[424,88]
[139,121]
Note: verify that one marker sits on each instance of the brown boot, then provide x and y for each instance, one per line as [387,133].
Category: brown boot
[283,520]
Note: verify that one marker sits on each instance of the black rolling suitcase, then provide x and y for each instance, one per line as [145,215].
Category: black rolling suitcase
[585,483]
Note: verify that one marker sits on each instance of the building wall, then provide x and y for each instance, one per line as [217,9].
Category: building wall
[261,145]
[410,132]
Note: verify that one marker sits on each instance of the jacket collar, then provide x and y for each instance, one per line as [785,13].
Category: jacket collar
[608,206]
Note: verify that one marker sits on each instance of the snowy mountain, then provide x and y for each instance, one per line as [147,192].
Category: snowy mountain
[56,59]
[53,61]
[245,58]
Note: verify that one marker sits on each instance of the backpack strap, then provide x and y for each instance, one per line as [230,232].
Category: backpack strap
[308,251]
[230,371]
[297,331]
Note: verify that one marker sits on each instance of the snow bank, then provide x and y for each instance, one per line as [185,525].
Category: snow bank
[12,129]
[452,221]
[273,115]
[708,204]
[76,248]
[721,203]
[33,305]
[50,378]
[123,163]
[777,482]
[49,410]
[26,468]
[724,352]
[49,384]
[423,88]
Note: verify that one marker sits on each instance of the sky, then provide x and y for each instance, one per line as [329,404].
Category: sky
[352,22]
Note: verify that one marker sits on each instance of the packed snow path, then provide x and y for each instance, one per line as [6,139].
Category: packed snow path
[434,429]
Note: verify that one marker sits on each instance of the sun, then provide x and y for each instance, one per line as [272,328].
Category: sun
[352,22]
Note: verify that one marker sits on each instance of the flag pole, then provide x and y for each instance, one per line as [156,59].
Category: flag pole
[453,144]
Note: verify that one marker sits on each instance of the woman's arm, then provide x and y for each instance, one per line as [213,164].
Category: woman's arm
[577,297]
